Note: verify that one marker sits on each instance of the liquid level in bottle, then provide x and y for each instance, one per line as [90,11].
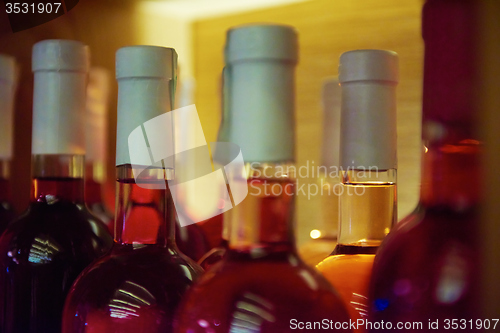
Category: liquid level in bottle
[367,212]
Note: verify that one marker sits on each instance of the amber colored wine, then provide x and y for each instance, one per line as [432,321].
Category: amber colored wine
[367,212]
[350,275]
[368,200]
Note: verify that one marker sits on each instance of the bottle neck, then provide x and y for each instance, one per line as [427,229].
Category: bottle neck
[57,178]
[368,209]
[145,212]
[262,223]
[452,150]
[94,176]
[446,166]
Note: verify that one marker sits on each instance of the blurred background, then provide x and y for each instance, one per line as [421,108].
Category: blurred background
[196,29]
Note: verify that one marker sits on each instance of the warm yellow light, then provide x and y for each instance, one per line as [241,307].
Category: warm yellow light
[315,234]
[426,149]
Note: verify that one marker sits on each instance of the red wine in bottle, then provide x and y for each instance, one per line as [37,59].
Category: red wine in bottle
[43,251]
[139,284]
[426,269]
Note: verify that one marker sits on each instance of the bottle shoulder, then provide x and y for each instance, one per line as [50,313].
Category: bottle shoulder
[155,271]
[427,264]
[275,291]
[54,232]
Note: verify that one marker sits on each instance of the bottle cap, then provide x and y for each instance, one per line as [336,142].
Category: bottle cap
[139,101]
[368,109]
[278,42]
[363,65]
[60,68]
[60,55]
[146,62]
[8,78]
[259,99]
[7,68]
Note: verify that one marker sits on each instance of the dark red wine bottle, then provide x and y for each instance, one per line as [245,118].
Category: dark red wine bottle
[427,268]
[95,143]
[261,285]
[8,83]
[139,284]
[43,251]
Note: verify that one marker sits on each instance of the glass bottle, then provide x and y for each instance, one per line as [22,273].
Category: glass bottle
[95,143]
[426,269]
[43,251]
[8,84]
[138,285]
[262,285]
[323,233]
[368,210]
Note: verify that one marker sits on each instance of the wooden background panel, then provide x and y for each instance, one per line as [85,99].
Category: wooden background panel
[326,29]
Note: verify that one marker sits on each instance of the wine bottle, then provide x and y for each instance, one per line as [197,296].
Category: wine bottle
[95,143]
[261,285]
[138,285]
[426,269]
[324,233]
[368,211]
[8,83]
[43,251]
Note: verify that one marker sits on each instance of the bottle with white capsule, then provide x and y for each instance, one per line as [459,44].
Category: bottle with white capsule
[43,251]
[139,284]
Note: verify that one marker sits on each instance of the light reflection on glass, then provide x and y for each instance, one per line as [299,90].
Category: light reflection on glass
[43,250]
[360,304]
[250,313]
[128,299]
[453,276]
